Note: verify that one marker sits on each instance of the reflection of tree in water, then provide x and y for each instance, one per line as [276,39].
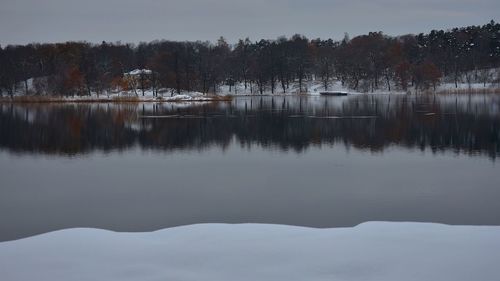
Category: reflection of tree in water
[462,124]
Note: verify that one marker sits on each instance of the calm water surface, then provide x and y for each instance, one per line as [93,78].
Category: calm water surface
[310,161]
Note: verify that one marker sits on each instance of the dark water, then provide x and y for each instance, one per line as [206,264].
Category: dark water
[311,161]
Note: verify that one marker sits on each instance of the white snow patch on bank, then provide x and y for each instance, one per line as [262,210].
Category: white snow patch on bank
[138,72]
[371,251]
[147,97]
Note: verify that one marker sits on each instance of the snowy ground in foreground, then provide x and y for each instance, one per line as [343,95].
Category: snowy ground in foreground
[370,251]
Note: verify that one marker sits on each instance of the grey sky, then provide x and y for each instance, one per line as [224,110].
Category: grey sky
[24,21]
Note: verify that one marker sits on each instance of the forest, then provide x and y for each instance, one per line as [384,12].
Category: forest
[364,63]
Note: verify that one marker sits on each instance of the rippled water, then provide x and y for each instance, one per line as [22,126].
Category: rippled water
[312,161]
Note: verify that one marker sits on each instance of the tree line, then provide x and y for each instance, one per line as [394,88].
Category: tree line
[363,63]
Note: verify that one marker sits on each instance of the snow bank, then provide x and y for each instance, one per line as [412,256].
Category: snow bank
[124,97]
[371,251]
[309,87]
[138,72]
[193,96]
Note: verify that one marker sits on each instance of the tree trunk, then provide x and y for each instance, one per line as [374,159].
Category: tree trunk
[388,82]
[177,75]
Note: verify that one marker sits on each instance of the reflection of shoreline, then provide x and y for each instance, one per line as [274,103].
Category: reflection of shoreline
[466,125]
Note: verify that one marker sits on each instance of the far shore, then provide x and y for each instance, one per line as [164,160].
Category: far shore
[105,99]
[212,97]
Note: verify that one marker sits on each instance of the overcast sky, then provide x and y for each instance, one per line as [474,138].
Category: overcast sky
[24,21]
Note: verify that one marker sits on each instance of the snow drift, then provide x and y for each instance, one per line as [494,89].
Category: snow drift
[371,251]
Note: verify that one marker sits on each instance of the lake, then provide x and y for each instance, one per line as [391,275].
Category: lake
[297,160]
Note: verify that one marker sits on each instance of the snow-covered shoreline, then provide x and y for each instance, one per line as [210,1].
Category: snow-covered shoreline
[116,98]
[226,93]
[370,251]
